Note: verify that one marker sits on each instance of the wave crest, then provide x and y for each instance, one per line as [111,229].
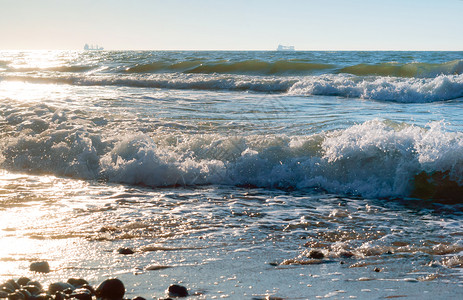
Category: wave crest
[441,88]
[406,70]
[372,159]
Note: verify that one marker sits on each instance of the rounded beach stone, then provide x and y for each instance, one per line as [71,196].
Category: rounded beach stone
[59,287]
[16,296]
[34,290]
[26,293]
[111,289]
[60,296]
[125,251]
[40,266]
[13,284]
[90,288]
[43,296]
[346,254]
[23,281]
[176,290]
[317,254]
[77,282]
[36,283]
[81,294]
[7,287]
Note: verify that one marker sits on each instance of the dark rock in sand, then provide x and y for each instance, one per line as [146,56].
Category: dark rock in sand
[13,284]
[125,251]
[27,294]
[7,287]
[176,290]
[90,289]
[23,281]
[60,296]
[81,294]
[69,290]
[35,283]
[377,269]
[16,296]
[40,266]
[43,296]
[59,287]
[317,254]
[34,290]
[110,289]
[138,298]
[77,282]
[346,254]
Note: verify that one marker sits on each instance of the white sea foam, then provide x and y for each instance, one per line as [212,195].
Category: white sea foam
[396,89]
[443,87]
[372,159]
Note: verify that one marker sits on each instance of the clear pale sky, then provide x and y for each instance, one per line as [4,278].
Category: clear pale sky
[232,25]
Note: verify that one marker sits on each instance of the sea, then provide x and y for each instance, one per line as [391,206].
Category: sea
[237,174]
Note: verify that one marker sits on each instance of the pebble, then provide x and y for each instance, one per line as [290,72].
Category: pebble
[26,293]
[35,283]
[13,284]
[59,287]
[377,269]
[77,282]
[90,288]
[125,251]
[176,290]
[346,254]
[40,266]
[7,287]
[23,281]
[81,294]
[317,254]
[16,296]
[34,290]
[111,289]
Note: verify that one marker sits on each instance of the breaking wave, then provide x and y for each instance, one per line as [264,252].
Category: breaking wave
[372,159]
[404,90]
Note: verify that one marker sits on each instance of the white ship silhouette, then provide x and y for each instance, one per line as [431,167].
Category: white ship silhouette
[285,48]
[92,48]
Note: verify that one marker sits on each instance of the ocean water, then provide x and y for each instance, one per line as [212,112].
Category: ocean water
[224,171]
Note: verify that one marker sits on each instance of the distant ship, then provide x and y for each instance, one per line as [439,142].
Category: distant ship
[285,48]
[92,48]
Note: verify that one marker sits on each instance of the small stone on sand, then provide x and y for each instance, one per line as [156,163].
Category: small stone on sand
[125,251]
[111,289]
[176,290]
[40,266]
[317,254]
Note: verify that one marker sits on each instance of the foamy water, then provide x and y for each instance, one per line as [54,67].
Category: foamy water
[229,167]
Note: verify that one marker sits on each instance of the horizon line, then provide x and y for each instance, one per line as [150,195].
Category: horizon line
[242,50]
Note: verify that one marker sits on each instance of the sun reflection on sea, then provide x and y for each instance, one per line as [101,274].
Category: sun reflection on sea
[34,219]
[40,59]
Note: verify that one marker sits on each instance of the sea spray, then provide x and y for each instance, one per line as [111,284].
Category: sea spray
[372,159]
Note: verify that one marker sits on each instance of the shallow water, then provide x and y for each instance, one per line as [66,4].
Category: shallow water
[229,242]
[223,170]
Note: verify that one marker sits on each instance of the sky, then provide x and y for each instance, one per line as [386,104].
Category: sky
[232,25]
